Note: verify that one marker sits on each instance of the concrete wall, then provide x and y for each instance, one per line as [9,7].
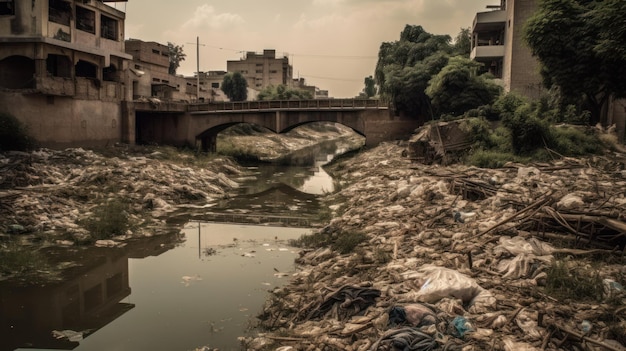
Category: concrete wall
[524,70]
[58,122]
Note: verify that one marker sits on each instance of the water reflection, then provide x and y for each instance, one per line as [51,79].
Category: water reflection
[88,298]
[301,170]
[199,288]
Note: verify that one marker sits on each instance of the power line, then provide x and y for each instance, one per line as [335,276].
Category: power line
[331,78]
[348,57]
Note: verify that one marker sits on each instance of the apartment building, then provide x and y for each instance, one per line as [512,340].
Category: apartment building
[263,70]
[497,42]
[150,77]
[63,69]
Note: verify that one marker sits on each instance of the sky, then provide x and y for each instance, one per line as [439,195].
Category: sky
[332,44]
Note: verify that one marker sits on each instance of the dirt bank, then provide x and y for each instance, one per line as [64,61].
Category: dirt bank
[527,257]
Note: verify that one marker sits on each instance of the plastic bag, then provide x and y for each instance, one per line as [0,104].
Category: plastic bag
[442,282]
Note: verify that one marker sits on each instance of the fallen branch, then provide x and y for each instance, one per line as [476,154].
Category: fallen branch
[534,206]
[581,336]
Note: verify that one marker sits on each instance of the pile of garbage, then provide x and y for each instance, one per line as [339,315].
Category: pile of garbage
[49,192]
[461,258]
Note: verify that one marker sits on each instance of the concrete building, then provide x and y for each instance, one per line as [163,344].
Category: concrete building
[63,70]
[497,42]
[263,70]
[150,77]
[317,93]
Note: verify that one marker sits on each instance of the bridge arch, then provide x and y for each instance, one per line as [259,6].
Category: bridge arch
[202,122]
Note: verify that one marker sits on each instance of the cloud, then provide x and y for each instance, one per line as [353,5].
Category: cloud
[206,16]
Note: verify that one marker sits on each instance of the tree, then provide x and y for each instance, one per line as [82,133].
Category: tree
[463,42]
[176,56]
[457,89]
[282,92]
[370,87]
[235,86]
[405,67]
[581,47]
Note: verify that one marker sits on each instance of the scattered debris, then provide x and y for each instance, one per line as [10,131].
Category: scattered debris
[460,258]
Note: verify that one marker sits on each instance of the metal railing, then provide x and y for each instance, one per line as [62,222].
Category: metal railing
[273,105]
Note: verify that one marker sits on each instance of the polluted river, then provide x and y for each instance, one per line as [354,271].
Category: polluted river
[402,254]
[197,289]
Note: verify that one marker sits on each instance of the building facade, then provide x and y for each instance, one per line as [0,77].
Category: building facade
[63,70]
[150,77]
[263,70]
[497,42]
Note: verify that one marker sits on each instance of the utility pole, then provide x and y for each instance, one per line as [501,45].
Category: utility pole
[197,67]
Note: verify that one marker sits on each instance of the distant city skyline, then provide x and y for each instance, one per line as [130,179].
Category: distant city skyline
[332,44]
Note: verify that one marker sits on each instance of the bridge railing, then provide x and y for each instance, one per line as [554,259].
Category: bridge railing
[316,104]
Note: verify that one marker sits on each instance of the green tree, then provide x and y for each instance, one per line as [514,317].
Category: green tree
[405,67]
[463,42]
[370,87]
[581,47]
[176,56]
[457,89]
[235,86]
[282,92]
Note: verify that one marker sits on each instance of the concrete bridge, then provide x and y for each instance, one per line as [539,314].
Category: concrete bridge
[199,124]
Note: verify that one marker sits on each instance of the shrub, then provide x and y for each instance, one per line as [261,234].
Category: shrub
[341,242]
[491,158]
[14,134]
[571,141]
[528,132]
[108,220]
[346,242]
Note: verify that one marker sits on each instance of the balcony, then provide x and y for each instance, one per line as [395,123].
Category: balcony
[489,21]
[487,52]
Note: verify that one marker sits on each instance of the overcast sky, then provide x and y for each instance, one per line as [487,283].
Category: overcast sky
[333,44]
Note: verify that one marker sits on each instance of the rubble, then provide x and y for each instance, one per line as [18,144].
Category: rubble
[461,258]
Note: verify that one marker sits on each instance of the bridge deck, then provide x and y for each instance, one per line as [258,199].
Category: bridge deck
[281,105]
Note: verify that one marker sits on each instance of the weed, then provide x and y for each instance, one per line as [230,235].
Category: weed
[346,242]
[341,242]
[568,282]
[312,241]
[16,259]
[492,158]
[108,220]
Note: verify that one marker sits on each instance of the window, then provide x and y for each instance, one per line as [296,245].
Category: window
[59,66]
[7,7]
[215,85]
[108,27]
[86,69]
[109,74]
[60,12]
[85,20]
[259,71]
[155,51]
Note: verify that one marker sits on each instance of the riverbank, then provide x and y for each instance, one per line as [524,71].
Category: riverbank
[460,258]
[107,196]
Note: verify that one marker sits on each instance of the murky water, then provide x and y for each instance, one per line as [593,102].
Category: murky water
[200,287]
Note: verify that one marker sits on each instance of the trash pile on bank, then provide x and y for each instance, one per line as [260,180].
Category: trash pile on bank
[461,258]
[50,192]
